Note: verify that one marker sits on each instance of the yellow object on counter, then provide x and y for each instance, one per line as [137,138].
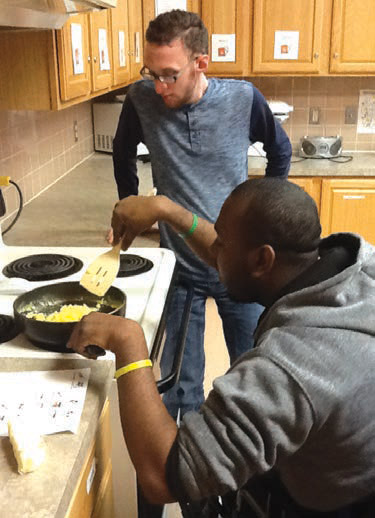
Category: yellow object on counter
[27,446]
[67,313]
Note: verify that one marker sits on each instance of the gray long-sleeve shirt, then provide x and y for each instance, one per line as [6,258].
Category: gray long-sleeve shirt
[302,401]
[199,151]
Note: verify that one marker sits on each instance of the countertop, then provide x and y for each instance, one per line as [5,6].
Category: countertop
[47,492]
[363,164]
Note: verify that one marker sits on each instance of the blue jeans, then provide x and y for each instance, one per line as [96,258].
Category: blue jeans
[239,323]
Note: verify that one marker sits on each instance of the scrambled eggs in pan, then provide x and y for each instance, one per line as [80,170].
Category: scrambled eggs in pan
[67,313]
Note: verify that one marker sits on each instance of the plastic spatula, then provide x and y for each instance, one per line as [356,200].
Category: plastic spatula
[101,273]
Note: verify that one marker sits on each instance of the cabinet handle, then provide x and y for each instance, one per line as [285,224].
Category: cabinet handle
[89,59]
[94,59]
[335,55]
[316,55]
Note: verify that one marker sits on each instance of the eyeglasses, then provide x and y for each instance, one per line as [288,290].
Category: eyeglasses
[146,73]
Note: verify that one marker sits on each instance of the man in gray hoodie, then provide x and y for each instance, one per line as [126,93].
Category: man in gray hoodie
[292,422]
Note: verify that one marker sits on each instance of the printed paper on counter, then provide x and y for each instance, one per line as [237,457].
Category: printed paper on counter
[77,53]
[121,49]
[162,6]
[366,112]
[286,45]
[103,50]
[223,47]
[53,399]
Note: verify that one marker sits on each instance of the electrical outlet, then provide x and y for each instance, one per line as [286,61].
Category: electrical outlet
[75,130]
[351,115]
[314,115]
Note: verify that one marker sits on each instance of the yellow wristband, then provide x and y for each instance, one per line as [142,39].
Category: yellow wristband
[132,367]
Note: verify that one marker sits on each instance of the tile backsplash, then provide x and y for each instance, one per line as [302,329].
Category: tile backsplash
[331,95]
[37,148]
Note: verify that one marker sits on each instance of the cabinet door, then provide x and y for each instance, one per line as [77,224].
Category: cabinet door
[311,185]
[149,10]
[94,488]
[353,37]
[291,36]
[135,38]
[120,43]
[101,51]
[73,58]
[349,206]
[229,30]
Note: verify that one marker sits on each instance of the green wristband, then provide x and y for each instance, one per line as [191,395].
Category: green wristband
[191,229]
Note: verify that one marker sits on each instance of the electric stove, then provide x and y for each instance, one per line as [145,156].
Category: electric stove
[145,275]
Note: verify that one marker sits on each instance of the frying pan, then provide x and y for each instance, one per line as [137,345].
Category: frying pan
[53,336]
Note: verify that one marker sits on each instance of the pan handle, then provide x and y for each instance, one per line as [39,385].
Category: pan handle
[94,350]
[168,381]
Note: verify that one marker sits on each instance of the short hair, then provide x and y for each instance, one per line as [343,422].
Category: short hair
[278,213]
[179,24]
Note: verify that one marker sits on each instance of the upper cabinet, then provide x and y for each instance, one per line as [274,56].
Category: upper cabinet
[85,55]
[92,54]
[149,10]
[135,38]
[353,37]
[229,30]
[291,36]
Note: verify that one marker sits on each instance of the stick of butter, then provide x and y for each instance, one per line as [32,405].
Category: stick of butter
[27,446]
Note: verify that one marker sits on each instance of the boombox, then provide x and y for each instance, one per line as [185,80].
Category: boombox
[320,147]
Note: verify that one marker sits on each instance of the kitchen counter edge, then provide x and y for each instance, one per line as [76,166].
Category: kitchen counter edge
[48,491]
[362,165]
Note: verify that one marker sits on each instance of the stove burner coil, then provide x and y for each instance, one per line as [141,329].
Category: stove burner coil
[43,267]
[8,328]
[131,264]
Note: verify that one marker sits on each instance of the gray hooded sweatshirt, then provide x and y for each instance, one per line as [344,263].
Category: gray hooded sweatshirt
[302,402]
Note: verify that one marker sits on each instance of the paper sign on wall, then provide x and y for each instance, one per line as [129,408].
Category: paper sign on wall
[161,6]
[366,112]
[223,47]
[77,54]
[121,48]
[286,45]
[103,50]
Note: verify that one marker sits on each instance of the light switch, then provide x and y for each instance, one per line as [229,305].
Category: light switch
[314,116]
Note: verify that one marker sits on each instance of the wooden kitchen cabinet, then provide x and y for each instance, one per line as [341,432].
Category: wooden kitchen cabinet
[353,37]
[127,41]
[93,496]
[347,205]
[149,10]
[229,17]
[97,70]
[135,38]
[37,69]
[309,19]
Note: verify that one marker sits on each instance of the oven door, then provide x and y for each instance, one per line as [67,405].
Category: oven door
[172,377]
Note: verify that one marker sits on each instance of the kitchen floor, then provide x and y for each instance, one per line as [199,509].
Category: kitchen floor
[76,211]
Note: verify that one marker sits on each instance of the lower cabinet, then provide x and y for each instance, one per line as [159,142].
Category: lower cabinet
[344,204]
[93,495]
[348,205]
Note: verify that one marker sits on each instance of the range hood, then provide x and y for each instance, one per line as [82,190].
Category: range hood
[45,14]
